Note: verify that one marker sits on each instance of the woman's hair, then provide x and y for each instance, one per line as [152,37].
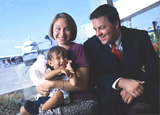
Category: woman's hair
[57,50]
[70,22]
[108,11]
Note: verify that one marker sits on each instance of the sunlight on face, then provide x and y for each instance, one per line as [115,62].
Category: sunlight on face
[59,61]
[105,30]
[62,32]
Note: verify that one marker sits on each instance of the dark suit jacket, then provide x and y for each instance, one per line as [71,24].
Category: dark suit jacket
[137,51]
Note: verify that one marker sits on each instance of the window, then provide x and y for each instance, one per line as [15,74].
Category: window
[19,18]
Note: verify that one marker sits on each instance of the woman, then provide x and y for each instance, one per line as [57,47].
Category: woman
[63,29]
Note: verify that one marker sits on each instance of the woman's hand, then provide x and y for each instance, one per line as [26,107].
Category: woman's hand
[41,90]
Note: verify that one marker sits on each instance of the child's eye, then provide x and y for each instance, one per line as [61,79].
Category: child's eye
[64,57]
[57,58]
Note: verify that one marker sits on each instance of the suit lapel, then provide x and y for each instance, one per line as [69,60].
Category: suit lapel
[104,56]
[128,52]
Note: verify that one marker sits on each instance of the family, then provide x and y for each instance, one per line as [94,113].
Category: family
[104,76]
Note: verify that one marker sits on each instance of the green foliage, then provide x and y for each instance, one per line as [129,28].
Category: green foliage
[155,37]
[157,40]
[10,103]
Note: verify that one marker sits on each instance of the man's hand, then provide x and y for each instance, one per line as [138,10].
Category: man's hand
[41,90]
[134,87]
[127,97]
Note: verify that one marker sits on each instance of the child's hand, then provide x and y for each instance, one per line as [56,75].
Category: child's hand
[69,67]
[67,73]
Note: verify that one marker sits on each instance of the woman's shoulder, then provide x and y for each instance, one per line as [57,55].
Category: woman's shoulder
[76,45]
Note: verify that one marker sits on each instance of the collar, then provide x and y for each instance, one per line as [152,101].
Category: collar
[118,42]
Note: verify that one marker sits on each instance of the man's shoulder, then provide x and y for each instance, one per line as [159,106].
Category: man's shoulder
[132,30]
[91,41]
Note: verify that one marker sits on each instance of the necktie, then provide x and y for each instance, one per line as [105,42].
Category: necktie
[116,52]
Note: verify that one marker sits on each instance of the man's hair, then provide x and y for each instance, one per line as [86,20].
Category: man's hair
[70,22]
[57,50]
[106,10]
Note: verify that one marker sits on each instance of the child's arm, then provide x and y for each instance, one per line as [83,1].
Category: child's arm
[51,74]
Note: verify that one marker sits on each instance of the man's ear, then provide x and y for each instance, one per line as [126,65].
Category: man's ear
[117,24]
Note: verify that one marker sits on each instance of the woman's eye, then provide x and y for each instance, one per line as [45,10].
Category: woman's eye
[67,29]
[58,29]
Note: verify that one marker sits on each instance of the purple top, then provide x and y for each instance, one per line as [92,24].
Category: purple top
[77,55]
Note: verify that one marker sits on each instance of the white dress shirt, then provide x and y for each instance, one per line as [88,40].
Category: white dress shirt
[120,48]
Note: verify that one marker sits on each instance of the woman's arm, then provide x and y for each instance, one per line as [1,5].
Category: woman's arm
[73,79]
[82,81]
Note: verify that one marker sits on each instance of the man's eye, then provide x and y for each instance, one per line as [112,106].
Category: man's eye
[102,27]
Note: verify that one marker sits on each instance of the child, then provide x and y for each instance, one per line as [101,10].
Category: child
[60,68]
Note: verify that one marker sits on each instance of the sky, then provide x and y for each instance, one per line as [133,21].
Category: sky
[17,17]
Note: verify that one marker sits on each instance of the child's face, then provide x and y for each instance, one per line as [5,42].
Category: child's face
[58,61]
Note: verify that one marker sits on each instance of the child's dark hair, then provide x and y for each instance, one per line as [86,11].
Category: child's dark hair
[57,50]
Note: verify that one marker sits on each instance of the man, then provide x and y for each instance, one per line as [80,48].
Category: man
[117,55]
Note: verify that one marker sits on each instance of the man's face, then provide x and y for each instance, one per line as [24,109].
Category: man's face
[105,30]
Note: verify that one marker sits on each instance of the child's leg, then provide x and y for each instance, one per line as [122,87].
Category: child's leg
[56,99]
[23,111]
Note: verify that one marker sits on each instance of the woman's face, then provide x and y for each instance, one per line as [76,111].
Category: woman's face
[61,32]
